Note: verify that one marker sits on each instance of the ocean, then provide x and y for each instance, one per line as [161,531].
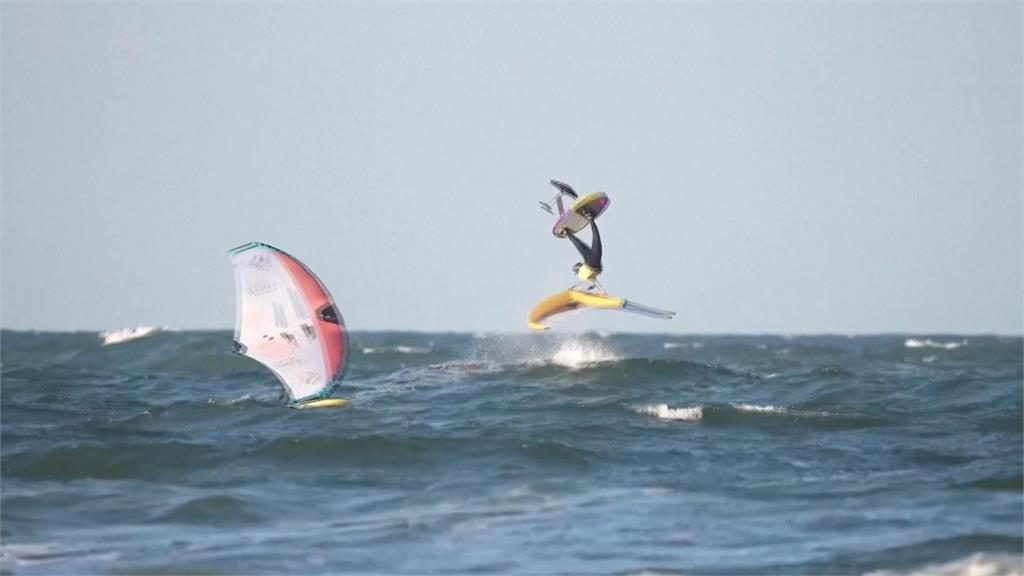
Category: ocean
[161,452]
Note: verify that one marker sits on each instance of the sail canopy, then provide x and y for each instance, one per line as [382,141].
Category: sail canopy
[287,321]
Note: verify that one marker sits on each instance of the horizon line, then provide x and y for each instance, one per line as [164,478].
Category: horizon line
[572,333]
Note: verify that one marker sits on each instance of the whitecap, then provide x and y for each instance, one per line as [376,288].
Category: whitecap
[230,401]
[127,334]
[929,343]
[35,554]
[980,564]
[663,412]
[402,349]
[768,408]
[675,345]
[578,354]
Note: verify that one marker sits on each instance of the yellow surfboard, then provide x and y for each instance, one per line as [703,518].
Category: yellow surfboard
[569,300]
[322,403]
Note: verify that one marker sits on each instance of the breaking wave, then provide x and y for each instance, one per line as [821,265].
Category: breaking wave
[575,355]
[929,343]
[127,334]
[664,412]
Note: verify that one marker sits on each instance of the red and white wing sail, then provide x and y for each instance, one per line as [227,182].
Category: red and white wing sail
[287,321]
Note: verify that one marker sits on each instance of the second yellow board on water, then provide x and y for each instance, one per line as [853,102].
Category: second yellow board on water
[322,403]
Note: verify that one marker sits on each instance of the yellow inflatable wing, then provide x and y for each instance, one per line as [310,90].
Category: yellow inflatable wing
[569,300]
[566,301]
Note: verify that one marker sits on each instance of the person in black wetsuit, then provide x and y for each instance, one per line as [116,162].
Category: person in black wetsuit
[588,270]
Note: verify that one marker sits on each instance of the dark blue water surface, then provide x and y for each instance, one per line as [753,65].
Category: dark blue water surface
[516,454]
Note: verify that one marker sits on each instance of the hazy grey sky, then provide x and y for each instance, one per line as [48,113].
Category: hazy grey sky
[788,167]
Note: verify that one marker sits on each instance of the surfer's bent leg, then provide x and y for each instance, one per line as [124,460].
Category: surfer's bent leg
[594,261]
[581,246]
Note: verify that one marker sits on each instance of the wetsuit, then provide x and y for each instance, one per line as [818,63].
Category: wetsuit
[591,254]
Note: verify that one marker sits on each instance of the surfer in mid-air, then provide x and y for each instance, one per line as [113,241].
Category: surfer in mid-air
[588,270]
[587,292]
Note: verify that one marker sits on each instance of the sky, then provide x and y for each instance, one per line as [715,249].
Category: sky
[790,167]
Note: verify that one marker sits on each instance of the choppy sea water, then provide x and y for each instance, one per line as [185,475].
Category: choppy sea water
[161,452]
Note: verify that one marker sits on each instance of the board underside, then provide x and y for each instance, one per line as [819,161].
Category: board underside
[574,220]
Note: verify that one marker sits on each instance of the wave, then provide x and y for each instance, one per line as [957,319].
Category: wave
[768,409]
[761,416]
[980,564]
[678,345]
[111,337]
[588,366]
[573,352]
[399,349]
[108,461]
[576,355]
[402,451]
[663,412]
[929,343]
[217,510]
[26,555]
[1000,484]
[229,401]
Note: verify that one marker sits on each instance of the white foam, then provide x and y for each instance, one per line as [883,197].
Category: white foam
[768,408]
[230,401]
[401,349]
[980,564]
[675,345]
[929,343]
[126,334]
[412,349]
[663,412]
[35,554]
[464,368]
[580,354]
